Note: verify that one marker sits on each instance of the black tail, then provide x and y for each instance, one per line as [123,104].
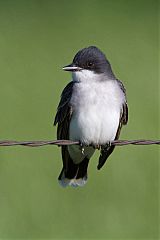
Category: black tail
[75,171]
[72,174]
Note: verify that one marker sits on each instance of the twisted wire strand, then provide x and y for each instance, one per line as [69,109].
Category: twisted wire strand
[68,142]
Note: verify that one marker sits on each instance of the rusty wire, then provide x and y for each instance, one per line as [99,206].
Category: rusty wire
[68,142]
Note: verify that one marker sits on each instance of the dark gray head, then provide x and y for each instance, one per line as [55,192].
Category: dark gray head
[92,59]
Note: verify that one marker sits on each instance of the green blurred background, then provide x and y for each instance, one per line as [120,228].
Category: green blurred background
[37,38]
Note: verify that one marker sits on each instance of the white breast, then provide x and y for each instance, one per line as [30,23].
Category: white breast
[97,106]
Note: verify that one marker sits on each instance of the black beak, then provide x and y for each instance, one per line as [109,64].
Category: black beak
[71,67]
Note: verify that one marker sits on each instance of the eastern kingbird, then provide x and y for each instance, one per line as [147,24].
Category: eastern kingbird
[92,110]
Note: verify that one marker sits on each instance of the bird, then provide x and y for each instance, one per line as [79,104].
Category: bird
[92,109]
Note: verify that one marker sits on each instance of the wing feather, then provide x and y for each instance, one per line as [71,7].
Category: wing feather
[64,113]
[62,118]
[107,150]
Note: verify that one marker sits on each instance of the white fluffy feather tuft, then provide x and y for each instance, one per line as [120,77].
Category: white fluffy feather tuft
[80,182]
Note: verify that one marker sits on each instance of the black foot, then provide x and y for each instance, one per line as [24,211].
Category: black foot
[96,146]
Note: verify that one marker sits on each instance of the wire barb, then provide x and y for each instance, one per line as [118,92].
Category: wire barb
[69,142]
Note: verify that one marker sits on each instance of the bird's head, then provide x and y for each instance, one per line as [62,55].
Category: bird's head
[89,62]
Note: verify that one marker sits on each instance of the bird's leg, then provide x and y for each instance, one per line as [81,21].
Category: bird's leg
[82,145]
[99,147]
[96,146]
[109,143]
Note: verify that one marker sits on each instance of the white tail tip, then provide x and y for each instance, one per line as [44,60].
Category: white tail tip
[80,182]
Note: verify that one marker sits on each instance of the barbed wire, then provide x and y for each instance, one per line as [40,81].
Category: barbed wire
[69,142]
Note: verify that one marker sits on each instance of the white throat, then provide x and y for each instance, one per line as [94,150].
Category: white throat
[85,76]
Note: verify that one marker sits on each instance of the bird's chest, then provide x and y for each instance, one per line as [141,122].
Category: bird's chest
[96,111]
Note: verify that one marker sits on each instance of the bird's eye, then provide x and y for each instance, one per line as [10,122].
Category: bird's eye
[90,64]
